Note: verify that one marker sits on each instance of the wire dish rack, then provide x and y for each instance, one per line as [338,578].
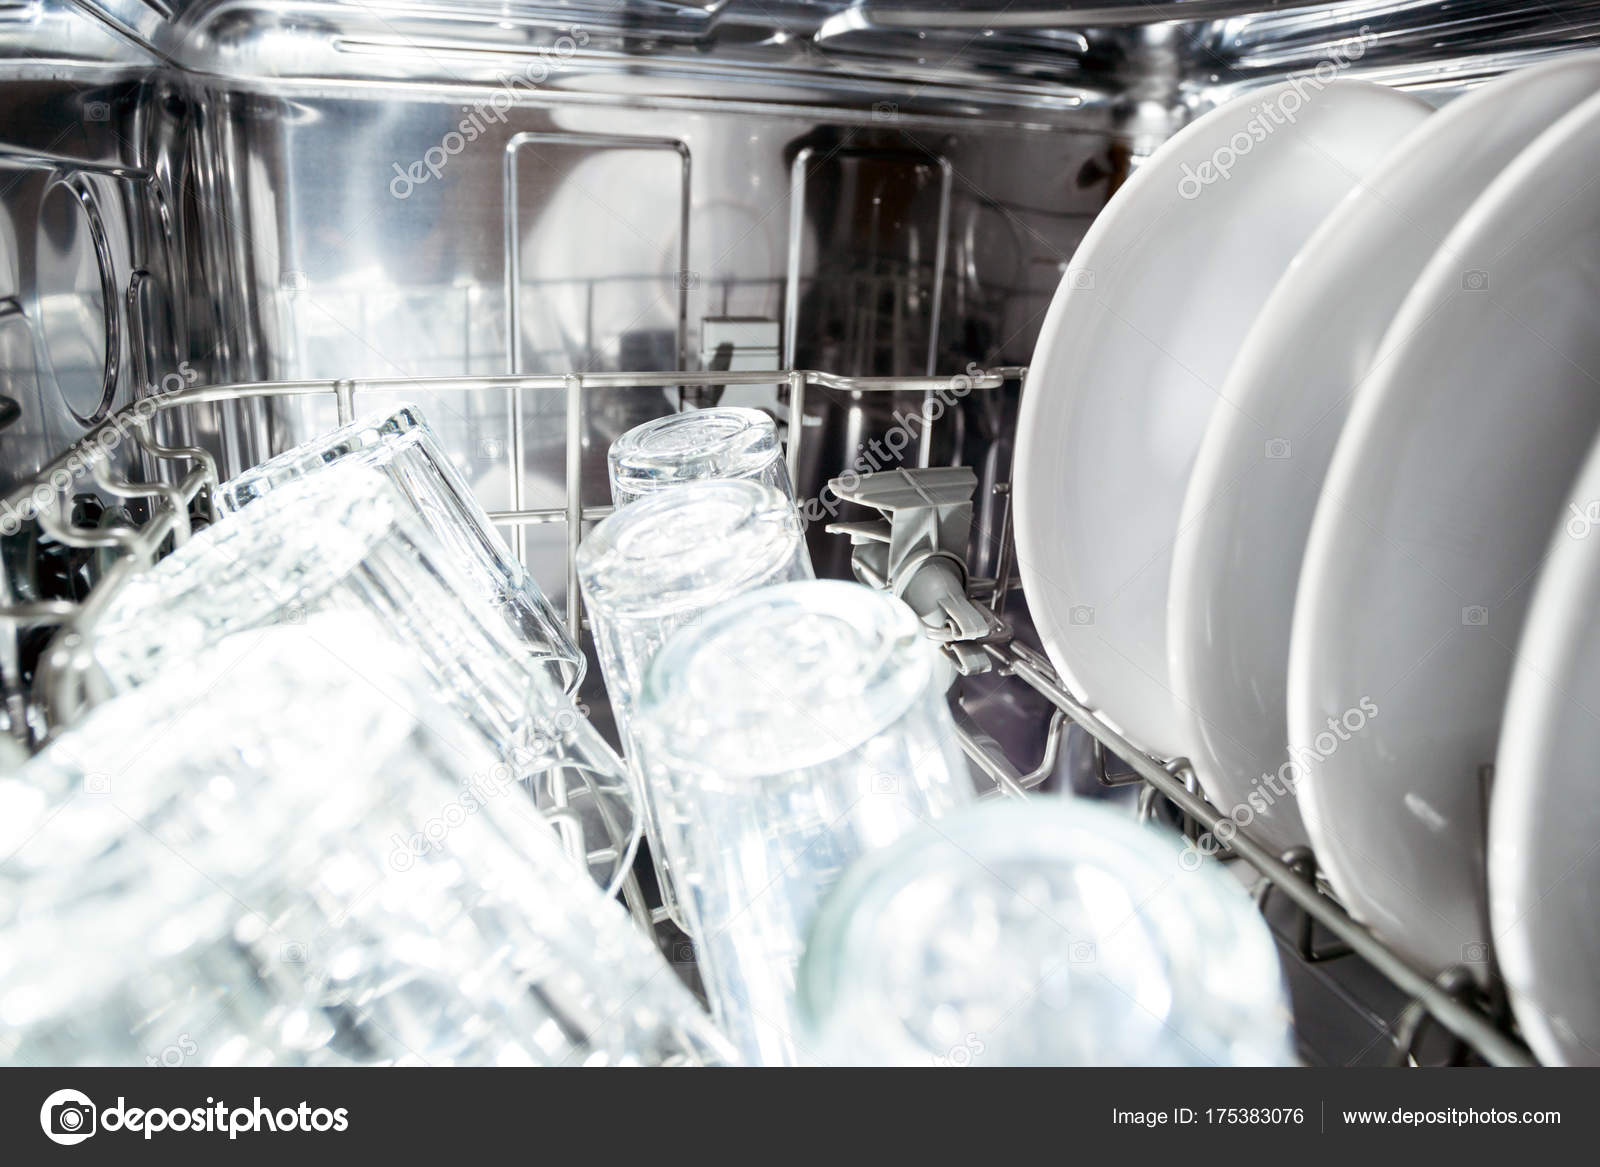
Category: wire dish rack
[181,486]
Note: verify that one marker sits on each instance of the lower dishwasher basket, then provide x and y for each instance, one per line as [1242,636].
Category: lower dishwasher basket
[180,479]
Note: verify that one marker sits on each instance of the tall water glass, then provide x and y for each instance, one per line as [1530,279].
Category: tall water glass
[702,443]
[403,447]
[665,562]
[1051,932]
[221,868]
[345,540]
[785,735]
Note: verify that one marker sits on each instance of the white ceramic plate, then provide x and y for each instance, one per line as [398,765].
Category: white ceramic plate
[1453,466]
[1261,466]
[1544,820]
[1137,342]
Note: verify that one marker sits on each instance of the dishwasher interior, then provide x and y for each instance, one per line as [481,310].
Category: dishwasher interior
[546,223]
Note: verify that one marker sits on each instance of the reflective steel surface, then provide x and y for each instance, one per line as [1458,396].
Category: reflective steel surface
[282,189]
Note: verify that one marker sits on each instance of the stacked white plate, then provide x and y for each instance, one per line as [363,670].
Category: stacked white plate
[1132,358]
[1305,412]
[1544,829]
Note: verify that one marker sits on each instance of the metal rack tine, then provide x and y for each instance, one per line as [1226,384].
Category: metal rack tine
[172,495]
[60,527]
[1303,863]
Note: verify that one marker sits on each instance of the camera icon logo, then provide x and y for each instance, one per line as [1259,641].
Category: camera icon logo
[292,953]
[97,783]
[1475,280]
[1082,952]
[491,450]
[1475,616]
[682,952]
[1080,615]
[96,111]
[1080,279]
[1475,952]
[1278,448]
[68,1117]
[885,111]
[688,281]
[293,614]
[883,784]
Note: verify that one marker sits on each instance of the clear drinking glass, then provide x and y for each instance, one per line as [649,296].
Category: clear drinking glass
[405,450]
[345,540]
[238,864]
[701,443]
[784,735]
[1050,932]
[664,562]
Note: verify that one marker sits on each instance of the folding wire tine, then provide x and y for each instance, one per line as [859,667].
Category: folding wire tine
[172,495]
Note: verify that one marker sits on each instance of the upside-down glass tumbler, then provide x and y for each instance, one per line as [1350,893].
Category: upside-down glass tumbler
[403,447]
[702,443]
[784,736]
[345,540]
[1040,933]
[667,561]
[260,860]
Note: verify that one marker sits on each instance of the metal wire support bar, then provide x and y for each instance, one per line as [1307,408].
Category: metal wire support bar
[345,394]
[1441,1000]
[88,451]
